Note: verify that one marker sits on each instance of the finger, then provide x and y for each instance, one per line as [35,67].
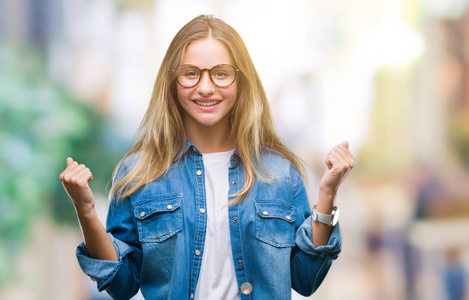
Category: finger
[336,162]
[340,164]
[77,182]
[70,166]
[343,148]
[329,161]
[346,155]
[70,171]
[343,154]
[83,177]
[75,169]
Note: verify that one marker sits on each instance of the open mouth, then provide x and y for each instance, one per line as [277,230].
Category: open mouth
[206,103]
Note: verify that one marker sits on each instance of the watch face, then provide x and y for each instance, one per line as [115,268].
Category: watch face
[336,217]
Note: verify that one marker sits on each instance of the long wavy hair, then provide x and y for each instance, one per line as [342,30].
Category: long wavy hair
[161,138]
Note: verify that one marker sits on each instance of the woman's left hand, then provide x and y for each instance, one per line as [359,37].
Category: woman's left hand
[339,162]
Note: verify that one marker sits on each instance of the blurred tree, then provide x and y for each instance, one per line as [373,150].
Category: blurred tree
[458,132]
[41,124]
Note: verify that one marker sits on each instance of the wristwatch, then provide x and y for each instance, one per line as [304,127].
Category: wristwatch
[330,220]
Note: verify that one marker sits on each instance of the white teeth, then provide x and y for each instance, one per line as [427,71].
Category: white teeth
[206,103]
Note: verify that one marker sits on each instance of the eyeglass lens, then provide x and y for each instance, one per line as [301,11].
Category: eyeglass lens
[221,75]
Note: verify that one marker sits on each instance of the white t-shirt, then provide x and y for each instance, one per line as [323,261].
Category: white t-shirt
[217,278]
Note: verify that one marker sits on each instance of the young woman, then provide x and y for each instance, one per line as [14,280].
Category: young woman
[209,204]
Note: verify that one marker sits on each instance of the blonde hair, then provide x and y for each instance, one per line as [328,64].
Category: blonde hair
[161,136]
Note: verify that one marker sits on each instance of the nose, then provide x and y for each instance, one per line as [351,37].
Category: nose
[205,85]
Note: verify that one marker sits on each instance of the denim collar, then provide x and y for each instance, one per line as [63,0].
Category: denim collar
[188,146]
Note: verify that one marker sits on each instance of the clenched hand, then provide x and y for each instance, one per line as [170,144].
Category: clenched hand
[76,179]
[339,162]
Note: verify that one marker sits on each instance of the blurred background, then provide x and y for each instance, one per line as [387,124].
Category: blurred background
[389,76]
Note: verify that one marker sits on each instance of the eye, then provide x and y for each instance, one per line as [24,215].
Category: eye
[220,74]
[191,73]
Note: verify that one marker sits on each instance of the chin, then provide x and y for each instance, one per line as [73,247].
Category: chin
[208,123]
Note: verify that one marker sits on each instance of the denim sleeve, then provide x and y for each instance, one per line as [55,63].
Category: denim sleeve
[122,274]
[310,264]
[120,279]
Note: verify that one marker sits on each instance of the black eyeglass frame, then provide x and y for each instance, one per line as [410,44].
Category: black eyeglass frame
[209,75]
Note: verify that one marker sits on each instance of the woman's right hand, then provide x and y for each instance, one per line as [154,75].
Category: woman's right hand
[75,180]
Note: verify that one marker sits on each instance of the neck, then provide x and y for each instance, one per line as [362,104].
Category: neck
[209,139]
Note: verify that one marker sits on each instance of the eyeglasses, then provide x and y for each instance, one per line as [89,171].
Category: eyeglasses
[221,75]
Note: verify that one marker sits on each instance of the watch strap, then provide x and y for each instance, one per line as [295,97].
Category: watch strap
[324,218]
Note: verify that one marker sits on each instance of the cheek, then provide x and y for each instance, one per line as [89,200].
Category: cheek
[231,92]
[183,95]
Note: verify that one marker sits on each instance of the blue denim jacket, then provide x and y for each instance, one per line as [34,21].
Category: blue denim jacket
[159,234]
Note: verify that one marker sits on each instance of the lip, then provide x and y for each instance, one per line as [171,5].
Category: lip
[206,100]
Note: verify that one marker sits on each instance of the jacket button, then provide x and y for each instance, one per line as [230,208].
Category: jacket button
[142,214]
[198,172]
[265,213]
[169,206]
[235,219]
[202,211]
[240,262]
[197,252]
[246,288]
[235,182]
[288,218]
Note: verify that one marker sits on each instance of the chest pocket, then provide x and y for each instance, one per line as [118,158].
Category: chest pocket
[275,223]
[159,219]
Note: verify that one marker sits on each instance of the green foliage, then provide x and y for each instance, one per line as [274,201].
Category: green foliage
[41,124]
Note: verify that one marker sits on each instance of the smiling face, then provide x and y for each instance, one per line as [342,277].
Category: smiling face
[206,105]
